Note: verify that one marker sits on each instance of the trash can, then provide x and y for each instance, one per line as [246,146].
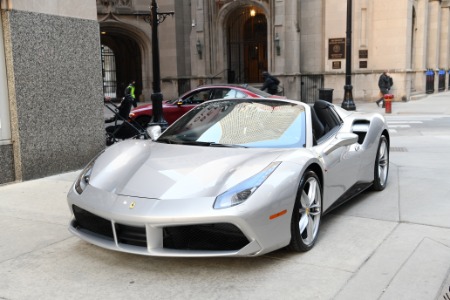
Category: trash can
[326,94]
[441,74]
[429,88]
[448,87]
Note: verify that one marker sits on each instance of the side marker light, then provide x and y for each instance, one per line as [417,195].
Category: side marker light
[279,214]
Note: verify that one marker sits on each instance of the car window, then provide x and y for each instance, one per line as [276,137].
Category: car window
[240,94]
[235,94]
[230,94]
[197,97]
[220,93]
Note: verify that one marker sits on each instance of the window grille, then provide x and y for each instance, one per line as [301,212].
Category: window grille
[109,73]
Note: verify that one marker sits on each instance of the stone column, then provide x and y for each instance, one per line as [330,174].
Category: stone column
[289,59]
[445,36]
[434,33]
[277,63]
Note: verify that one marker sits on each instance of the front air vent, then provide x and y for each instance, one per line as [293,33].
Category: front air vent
[93,223]
[208,237]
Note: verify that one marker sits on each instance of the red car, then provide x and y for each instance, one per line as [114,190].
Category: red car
[173,109]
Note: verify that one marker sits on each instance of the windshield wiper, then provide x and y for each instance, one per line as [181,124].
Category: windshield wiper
[213,144]
[172,140]
[226,145]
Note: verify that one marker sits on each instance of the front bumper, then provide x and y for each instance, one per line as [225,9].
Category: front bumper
[172,228]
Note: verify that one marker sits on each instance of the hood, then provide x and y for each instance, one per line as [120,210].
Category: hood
[162,171]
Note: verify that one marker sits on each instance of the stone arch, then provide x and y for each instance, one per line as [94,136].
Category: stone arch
[227,14]
[131,47]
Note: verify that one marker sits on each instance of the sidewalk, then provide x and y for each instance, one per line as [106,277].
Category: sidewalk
[429,105]
[389,245]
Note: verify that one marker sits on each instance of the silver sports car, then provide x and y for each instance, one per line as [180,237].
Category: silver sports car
[234,177]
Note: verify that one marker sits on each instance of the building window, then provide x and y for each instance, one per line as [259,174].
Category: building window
[109,72]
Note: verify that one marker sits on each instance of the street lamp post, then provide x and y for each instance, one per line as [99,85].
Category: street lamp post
[348,103]
[157,97]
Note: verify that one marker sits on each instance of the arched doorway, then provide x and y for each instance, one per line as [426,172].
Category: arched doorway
[121,62]
[247,44]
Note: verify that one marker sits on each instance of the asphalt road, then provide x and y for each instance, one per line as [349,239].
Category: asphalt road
[393,244]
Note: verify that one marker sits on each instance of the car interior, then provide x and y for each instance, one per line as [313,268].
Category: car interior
[324,119]
[198,97]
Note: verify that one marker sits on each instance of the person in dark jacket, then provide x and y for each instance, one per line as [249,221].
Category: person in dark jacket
[270,83]
[384,83]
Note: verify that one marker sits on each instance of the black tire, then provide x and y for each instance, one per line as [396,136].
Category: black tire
[305,221]
[381,169]
[110,140]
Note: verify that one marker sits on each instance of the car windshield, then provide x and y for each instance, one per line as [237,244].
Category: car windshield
[250,123]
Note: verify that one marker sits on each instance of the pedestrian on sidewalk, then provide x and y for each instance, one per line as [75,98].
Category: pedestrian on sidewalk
[385,83]
[129,93]
[270,83]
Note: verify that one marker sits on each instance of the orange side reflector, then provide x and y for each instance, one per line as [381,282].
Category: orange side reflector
[278,214]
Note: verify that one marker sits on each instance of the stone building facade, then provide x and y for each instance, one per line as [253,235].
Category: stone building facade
[51,98]
[301,42]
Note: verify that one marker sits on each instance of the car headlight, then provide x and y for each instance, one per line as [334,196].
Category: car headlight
[242,191]
[84,177]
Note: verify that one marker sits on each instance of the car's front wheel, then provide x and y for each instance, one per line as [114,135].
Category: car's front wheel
[306,215]
[381,169]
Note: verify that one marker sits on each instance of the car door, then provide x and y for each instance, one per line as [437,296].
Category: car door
[341,164]
[186,103]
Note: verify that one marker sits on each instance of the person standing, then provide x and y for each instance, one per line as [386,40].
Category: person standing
[385,83]
[270,83]
[129,93]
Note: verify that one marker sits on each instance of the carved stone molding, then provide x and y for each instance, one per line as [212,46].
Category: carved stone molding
[115,3]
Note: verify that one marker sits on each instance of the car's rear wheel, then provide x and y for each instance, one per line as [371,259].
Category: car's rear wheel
[381,169]
[143,121]
[306,215]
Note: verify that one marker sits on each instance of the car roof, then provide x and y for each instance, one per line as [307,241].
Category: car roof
[262,100]
[244,86]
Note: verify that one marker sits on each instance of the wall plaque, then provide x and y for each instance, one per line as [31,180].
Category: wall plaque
[336,64]
[336,48]
[363,64]
[363,53]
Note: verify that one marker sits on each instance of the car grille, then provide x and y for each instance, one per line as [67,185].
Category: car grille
[210,237]
[88,221]
[129,235]
[207,237]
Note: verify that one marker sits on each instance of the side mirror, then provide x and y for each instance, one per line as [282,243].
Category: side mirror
[341,140]
[179,103]
[154,131]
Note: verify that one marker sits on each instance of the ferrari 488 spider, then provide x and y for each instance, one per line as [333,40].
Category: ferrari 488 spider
[232,177]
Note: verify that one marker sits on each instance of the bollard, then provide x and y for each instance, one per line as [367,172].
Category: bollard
[388,103]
